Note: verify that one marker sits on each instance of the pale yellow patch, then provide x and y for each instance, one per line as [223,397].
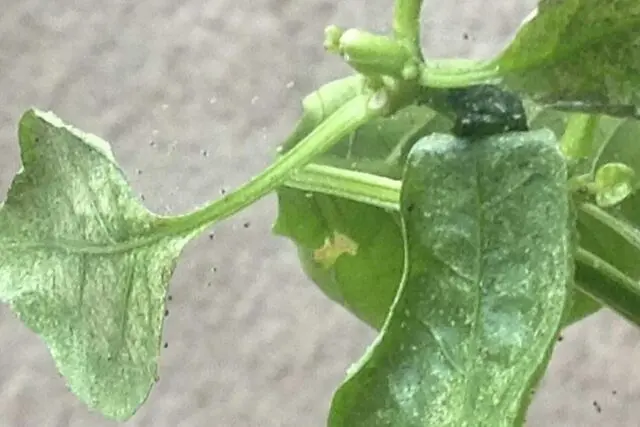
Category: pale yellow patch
[333,247]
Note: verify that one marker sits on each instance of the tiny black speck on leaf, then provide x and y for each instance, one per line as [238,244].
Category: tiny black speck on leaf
[170,298]
[560,338]
[166,345]
[166,313]
[410,208]
[223,191]
[205,153]
[215,269]
[210,236]
[465,36]
[246,224]
[614,392]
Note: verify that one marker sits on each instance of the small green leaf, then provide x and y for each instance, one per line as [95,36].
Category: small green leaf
[85,265]
[580,55]
[613,183]
[489,250]
[365,280]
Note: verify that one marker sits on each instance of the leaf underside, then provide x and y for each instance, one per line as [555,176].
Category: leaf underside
[85,265]
[489,247]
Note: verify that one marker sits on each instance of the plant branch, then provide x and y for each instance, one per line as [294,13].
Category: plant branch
[449,74]
[341,123]
[608,285]
[406,24]
[357,186]
[621,228]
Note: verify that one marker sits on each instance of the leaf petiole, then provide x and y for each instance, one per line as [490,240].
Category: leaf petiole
[361,187]
[334,128]
[577,140]
[448,74]
[406,24]
[608,285]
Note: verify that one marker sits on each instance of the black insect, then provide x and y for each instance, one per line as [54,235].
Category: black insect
[485,110]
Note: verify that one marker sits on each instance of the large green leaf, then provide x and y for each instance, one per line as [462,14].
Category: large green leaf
[579,55]
[352,251]
[489,245]
[85,265]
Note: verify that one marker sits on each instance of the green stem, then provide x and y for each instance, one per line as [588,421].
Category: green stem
[406,24]
[340,124]
[608,285]
[357,186]
[621,228]
[453,76]
[577,140]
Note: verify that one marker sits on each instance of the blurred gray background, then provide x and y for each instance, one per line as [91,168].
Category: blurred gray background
[195,96]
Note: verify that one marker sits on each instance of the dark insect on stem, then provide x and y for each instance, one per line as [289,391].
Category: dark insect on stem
[485,110]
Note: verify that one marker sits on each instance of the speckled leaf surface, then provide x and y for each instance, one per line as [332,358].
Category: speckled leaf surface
[85,265]
[489,247]
[578,54]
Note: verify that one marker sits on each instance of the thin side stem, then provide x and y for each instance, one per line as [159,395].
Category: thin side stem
[406,24]
[621,228]
[453,76]
[577,140]
[357,186]
[340,124]
[608,285]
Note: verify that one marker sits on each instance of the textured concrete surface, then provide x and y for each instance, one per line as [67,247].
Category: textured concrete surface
[215,85]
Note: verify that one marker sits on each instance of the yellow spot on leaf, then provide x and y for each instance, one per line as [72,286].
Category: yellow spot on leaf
[333,247]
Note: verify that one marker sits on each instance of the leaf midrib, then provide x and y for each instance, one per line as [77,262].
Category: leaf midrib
[83,247]
[471,367]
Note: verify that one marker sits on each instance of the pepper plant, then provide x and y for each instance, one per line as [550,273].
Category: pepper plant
[467,210]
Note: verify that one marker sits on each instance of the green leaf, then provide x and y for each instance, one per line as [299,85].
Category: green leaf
[363,272]
[613,183]
[489,247]
[364,278]
[85,265]
[580,55]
